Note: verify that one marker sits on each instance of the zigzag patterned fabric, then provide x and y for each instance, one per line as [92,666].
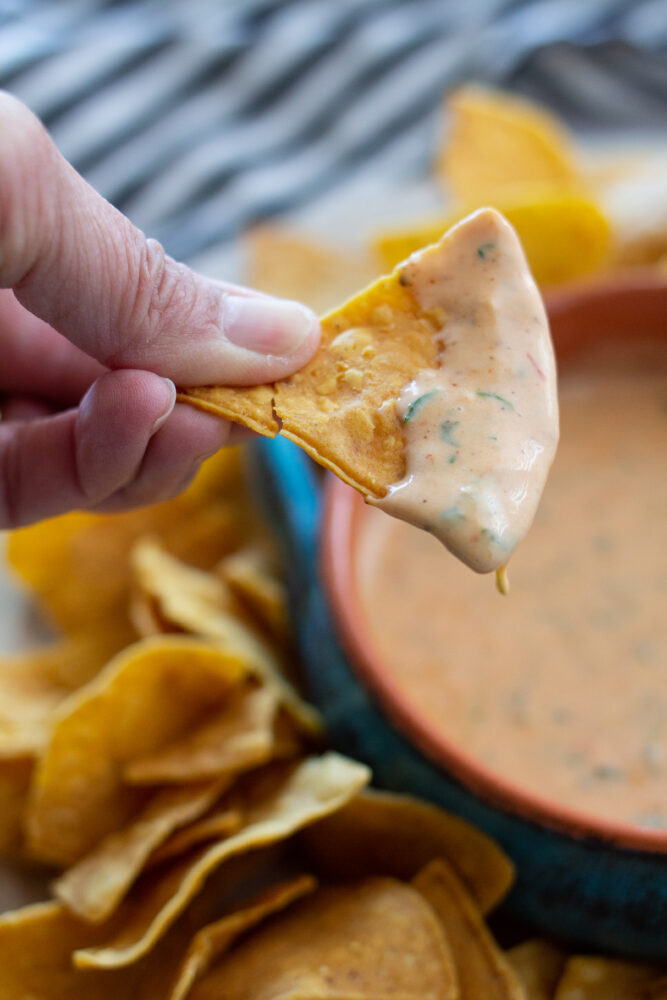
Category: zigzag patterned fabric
[199,117]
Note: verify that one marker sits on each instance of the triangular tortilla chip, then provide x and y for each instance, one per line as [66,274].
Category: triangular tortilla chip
[341,406]
[93,888]
[382,833]
[483,970]
[213,940]
[238,736]
[280,800]
[370,940]
[220,822]
[539,965]
[498,142]
[147,696]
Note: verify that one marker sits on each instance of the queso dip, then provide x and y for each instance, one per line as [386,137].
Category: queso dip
[481,429]
[561,687]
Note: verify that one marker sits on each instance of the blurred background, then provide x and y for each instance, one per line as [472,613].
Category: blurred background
[200,118]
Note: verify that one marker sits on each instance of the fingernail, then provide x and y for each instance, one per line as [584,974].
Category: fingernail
[267,326]
[170,406]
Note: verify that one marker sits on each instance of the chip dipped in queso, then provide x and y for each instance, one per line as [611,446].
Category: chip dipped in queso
[560,689]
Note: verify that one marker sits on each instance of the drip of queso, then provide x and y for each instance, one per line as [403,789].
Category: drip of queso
[481,429]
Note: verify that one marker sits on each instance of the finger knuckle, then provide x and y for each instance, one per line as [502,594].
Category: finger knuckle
[164,298]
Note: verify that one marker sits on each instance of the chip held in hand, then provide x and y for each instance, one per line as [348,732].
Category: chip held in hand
[433,393]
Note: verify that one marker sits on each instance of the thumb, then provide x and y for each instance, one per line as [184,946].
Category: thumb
[80,265]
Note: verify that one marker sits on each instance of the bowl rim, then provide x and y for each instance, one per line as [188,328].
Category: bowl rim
[577,308]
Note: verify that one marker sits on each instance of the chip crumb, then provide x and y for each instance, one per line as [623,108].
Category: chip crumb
[326,387]
[383,314]
[328,405]
[359,422]
[352,341]
[352,377]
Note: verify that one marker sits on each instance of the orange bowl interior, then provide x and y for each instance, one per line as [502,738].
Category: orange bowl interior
[627,305]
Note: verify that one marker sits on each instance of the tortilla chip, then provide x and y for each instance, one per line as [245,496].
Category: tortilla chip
[596,978]
[213,940]
[539,965]
[275,803]
[36,946]
[373,940]
[77,566]
[482,969]
[379,833]
[146,697]
[498,143]
[294,267]
[239,736]
[34,683]
[341,407]
[94,887]
[264,595]
[221,822]
[549,224]
[192,601]
[15,777]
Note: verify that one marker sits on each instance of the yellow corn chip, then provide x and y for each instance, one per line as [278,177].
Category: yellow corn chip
[221,822]
[291,266]
[246,575]
[33,683]
[341,407]
[498,143]
[276,803]
[192,601]
[93,888]
[564,234]
[373,940]
[77,564]
[482,969]
[36,946]
[146,697]
[213,940]
[379,833]
[239,736]
[15,776]
[596,978]
[539,965]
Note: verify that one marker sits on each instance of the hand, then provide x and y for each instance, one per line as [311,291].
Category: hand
[97,324]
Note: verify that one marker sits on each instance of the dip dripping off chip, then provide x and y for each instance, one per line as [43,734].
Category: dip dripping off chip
[433,393]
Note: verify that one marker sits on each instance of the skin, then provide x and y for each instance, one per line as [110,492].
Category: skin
[97,326]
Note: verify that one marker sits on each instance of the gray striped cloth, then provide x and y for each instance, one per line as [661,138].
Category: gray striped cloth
[200,117]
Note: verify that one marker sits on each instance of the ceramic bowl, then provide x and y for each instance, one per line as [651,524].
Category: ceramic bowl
[600,884]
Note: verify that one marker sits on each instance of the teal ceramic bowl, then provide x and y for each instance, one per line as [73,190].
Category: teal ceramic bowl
[598,884]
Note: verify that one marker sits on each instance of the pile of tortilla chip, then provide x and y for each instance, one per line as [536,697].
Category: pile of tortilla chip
[196,837]
[576,215]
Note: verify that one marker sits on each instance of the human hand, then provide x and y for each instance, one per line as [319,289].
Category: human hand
[97,324]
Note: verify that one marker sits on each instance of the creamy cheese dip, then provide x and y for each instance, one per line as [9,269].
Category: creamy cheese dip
[481,430]
[562,688]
